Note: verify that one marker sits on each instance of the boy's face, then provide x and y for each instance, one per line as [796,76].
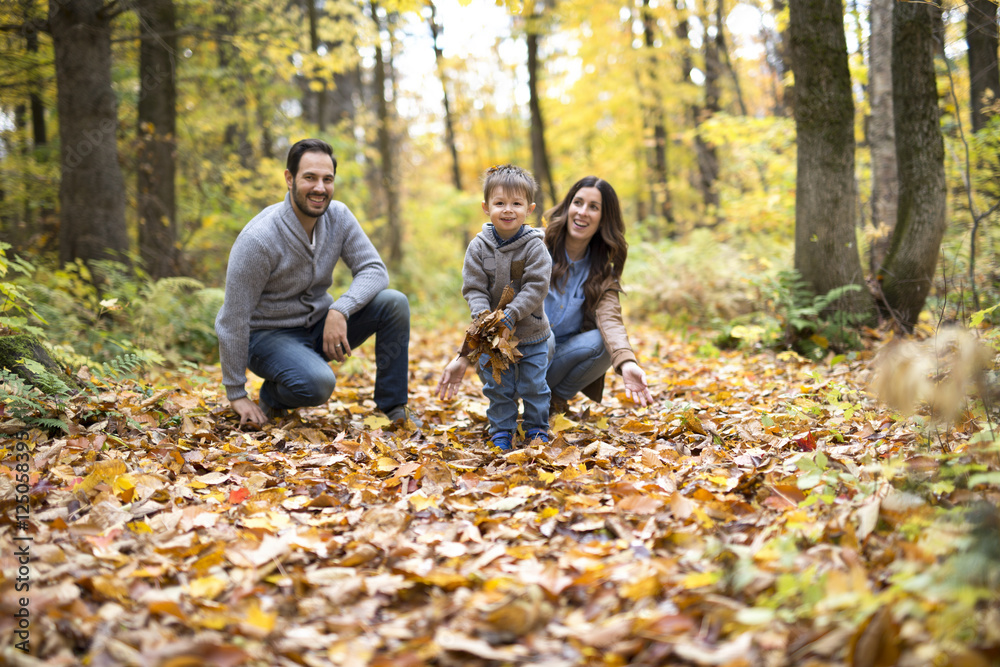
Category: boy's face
[507,211]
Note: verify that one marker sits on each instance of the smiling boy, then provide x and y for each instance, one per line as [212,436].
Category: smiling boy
[509,252]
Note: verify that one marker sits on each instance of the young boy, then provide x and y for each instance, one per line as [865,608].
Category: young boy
[509,252]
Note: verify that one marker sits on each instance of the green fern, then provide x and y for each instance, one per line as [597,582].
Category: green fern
[124,366]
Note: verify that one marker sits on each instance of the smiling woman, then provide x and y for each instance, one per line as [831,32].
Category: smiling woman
[586,238]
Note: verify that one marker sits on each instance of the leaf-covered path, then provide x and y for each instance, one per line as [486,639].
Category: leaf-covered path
[764,511]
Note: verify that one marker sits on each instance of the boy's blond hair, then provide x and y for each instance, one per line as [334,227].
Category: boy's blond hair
[511,178]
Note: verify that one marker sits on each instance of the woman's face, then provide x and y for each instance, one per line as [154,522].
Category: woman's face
[584,217]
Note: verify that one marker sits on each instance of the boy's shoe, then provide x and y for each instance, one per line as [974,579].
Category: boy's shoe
[403,413]
[558,406]
[502,441]
[539,434]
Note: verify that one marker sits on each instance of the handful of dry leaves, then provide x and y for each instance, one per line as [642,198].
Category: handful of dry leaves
[486,335]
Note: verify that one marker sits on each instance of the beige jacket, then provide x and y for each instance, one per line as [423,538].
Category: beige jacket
[607,317]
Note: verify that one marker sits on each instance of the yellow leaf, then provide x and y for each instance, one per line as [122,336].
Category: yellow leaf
[376,422]
[260,619]
[699,579]
[420,502]
[602,423]
[207,587]
[103,472]
[560,423]
[548,512]
[644,588]
[139,527]
[385,464]
[547,477]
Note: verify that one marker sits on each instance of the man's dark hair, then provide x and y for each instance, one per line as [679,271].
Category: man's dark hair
[304,146]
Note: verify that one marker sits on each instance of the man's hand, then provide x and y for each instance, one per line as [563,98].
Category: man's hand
[335,344]
[453,373]
[248,411]
[636,388]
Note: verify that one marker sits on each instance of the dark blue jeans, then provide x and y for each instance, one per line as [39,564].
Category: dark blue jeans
[525,380]
[296,372]
[579,359]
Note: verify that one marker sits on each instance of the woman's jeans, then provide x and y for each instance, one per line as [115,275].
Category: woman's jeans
[296,372]
[525,380]
[579,359]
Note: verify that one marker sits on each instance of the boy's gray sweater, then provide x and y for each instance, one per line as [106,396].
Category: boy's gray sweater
[525,264]
[277,280]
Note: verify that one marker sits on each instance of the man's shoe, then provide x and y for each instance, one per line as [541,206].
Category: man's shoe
[539,434]
[502,441]
[271,412]
[403,413]
[558,406]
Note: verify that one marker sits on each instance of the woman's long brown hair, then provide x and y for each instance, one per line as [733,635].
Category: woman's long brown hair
[608,248]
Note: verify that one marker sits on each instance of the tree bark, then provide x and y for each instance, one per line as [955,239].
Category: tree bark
[881,131]
[314,44]
[984,75]
[539,151]
[388,180]
[826,253]
[157,138]
[92,189]
[449,121]
[707,156]
[653,119]
[909,268]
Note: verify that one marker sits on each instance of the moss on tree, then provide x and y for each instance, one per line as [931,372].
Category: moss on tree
[17,347]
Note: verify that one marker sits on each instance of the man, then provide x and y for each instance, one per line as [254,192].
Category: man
[277,318]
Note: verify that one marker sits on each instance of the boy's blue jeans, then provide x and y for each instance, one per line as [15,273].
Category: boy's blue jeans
[524,380]
[296,372]
[579,359]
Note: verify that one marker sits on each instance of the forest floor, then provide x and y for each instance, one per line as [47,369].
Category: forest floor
[765,510]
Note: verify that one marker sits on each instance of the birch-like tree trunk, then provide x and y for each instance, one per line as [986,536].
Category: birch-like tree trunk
[881,131]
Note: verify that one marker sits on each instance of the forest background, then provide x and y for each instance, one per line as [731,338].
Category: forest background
[179,124]
[808,176]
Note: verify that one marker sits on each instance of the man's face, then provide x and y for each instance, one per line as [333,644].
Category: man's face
[507,211]
[312,187]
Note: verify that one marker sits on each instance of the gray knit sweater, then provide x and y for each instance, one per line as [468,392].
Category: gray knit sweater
[525,264]
[276,280]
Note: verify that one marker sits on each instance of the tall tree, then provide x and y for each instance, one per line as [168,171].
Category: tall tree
[984,75]
[707,155]
[908,270]
[92,189]
[449,121]
[539,151]
[388,179]
[655,124]
[157,137]
[881,131]
[826,253]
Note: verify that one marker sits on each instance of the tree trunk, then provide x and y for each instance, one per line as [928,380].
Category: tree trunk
[881,131]
[157,138]
[653,119]
[92,189]
[707,156]
[780,58]
[984,76]
[388,180]
[909,268]
[826,253]
[318,91]
[449,121]
[539,152]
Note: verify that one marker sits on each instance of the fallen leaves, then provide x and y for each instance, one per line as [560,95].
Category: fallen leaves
[771,513]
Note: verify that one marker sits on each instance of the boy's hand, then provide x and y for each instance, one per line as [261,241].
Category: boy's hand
[453,373]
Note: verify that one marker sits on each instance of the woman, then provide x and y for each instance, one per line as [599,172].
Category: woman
[586,238]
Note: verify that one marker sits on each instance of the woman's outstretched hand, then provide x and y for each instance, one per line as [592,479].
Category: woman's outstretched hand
[453,373]
[636,388]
